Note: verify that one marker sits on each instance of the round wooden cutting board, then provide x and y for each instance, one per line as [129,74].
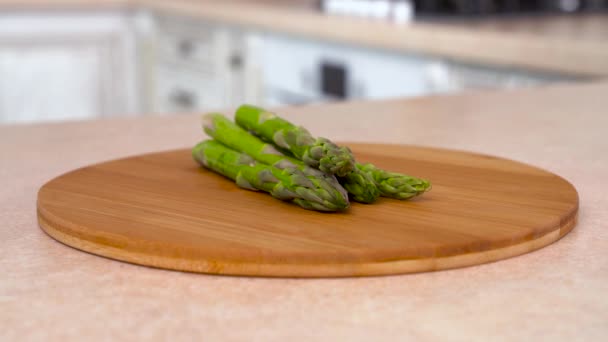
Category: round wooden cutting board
[162,210]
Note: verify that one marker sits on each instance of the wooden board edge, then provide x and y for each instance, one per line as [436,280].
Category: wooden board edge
[380,268]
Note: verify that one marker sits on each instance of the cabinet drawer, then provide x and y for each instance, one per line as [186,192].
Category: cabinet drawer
[180,92]
[187,50]
[192,44]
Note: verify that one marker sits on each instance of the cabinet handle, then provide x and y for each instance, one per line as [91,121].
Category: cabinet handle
[183,99]
[236,62]
[185,48]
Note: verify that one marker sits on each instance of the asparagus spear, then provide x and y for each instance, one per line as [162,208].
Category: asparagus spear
[319,153]
[361,186]
[289,184]
[395,185]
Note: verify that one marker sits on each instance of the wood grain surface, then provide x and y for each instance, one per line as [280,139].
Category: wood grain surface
[162,210]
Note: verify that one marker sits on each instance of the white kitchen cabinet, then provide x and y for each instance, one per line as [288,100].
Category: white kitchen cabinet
[202,66]
[57,65]
[66,65]
[294,71]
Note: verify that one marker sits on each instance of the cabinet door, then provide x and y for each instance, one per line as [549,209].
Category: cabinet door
[57,66]
[50,82]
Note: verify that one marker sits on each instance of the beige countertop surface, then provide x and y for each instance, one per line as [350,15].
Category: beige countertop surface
[575,46]
[49,291]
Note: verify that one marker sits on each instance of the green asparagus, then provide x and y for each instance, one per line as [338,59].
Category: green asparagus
[395,185]
[319,153]
[361,186]
[228,133]
[288,184]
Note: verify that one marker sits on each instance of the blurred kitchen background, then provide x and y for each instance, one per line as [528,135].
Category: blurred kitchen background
[71,59]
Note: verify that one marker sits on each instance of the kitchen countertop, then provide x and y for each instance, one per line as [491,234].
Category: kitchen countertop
[49,291]
[574,46]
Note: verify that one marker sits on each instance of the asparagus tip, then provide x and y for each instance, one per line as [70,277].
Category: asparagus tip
[207,122]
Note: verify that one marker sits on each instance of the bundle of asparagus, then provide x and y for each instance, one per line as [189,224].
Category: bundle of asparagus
[264,152]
